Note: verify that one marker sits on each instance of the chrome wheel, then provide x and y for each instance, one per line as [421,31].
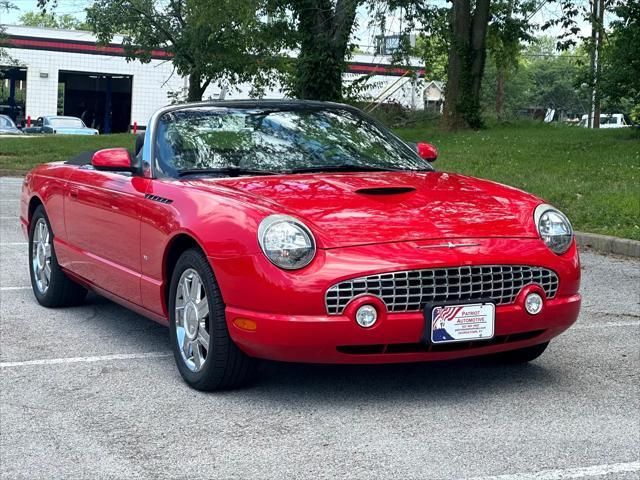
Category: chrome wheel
[41,255]
[192,320]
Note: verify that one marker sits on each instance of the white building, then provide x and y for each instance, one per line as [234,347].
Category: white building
[66,72]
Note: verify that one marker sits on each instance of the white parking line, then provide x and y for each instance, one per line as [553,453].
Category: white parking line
[11,289]
[630,323]
[14,244]
[101,358]
[13,217]
[564,473]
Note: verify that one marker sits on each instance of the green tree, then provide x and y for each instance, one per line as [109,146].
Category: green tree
[225,41]
[467,55]
[5,58]
[557,77]
[52,20]
[543,79]
[474,28]
[508,29]
[322,32]
[621,58]
[432,44]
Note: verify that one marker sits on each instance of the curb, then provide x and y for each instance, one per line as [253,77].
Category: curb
[608,244]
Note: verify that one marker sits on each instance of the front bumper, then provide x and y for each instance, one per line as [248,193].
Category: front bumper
[395,338]
[290,322]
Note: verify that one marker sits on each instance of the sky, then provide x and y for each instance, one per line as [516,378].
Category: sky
[364,35]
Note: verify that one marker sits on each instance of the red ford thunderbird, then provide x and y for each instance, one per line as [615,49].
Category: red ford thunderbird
[303,232]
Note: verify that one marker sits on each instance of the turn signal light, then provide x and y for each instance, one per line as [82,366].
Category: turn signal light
[245,324]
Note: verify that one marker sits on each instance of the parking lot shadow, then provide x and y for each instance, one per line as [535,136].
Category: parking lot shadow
[424,382]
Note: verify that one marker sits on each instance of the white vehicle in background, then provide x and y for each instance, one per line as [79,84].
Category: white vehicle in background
[613,120]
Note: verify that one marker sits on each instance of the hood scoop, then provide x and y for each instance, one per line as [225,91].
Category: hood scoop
[385,190]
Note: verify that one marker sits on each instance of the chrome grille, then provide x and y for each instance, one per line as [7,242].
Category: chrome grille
[411,290]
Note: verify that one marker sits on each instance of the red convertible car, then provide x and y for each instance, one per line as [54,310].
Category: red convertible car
[303,232]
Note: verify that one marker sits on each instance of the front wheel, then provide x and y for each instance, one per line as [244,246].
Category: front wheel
[522,355]
[205,354]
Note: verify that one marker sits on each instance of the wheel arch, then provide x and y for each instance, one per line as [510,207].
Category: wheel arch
[177,245]
[34,202]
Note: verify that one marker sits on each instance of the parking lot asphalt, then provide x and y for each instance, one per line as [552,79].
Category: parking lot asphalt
[92,392]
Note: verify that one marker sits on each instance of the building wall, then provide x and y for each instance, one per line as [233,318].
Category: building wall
[152,82]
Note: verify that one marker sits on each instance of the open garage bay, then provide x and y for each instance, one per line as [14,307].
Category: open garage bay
[92,392]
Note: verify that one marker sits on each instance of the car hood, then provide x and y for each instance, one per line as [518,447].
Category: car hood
[364,208]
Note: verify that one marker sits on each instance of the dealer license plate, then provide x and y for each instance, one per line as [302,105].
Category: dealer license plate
[457,323]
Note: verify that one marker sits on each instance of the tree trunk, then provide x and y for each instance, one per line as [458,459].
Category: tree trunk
[324,33]
[196,87]
[500,94]
[467,56]
[457,73]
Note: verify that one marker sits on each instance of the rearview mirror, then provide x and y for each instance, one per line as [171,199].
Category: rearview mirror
[426,151]
[113,160]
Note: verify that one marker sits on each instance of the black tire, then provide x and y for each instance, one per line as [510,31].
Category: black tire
[522,355]
[61,290]
[226,366]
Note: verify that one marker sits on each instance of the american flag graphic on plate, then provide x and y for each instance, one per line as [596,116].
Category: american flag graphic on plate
[453,323]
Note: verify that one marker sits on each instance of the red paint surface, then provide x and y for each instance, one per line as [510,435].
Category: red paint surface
[113,239]
[112,158]
[427,151]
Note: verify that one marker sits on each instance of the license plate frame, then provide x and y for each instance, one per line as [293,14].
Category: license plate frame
[462,333]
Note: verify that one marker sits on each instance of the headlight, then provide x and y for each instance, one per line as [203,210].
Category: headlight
[554,228]
[286,242]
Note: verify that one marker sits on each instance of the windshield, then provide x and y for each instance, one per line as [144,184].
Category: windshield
[5,122]
[276,141]
[66,122]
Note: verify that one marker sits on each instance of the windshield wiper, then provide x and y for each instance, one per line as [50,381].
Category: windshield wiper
[229,171]
[348,167]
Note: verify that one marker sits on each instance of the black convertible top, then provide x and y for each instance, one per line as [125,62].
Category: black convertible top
[84,158]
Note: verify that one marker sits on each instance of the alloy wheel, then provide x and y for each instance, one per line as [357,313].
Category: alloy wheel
[192,320]
[41,255]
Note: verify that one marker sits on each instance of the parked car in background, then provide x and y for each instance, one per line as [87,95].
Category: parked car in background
[15,112]
[7,127]
[614,120]
[303,232]
[60,126]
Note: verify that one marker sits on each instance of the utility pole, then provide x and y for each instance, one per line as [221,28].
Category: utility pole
[597,30]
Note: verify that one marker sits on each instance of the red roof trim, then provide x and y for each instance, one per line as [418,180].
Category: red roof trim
[76,46]
[80,46]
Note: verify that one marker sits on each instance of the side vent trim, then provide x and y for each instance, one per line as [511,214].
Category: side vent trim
[158,199]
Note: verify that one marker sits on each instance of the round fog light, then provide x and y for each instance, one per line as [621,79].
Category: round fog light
[533,303]
[366,316]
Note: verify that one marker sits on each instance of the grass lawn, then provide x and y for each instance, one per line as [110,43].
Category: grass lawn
[593,176]
[18,155]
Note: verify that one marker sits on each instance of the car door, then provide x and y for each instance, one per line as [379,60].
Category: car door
[102,217]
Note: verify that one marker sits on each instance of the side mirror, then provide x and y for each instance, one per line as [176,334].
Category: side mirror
[113,160]
[427,152]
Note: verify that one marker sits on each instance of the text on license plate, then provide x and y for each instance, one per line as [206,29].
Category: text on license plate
[454,323]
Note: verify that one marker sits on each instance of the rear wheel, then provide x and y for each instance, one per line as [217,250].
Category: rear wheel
[51,286]
[522,355]
[205,354]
